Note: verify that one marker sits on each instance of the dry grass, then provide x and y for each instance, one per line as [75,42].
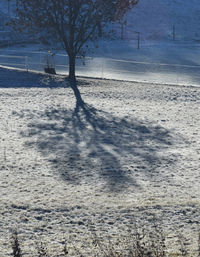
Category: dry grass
[142,244]
[16,248]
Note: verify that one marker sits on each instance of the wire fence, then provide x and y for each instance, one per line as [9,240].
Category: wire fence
[107,68]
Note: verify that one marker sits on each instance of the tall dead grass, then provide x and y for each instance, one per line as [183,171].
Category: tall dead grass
[140,244]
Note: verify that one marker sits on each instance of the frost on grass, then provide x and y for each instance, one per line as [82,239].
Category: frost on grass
[128,155]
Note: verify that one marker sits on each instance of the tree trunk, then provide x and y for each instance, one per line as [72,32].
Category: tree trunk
[72,64]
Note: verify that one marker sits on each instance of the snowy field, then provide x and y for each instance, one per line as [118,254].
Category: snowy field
[163,62]
[130,157]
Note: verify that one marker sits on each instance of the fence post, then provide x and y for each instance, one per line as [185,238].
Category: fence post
[177,73]
[26,63]
[41,61]
[102,67]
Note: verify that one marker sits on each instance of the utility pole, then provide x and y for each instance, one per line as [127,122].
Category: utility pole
[122,31]
[122,28]
[174,33]
[9,8]
[138,40]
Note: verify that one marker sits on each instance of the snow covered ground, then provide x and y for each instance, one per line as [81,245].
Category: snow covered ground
[163,62]
[130,156]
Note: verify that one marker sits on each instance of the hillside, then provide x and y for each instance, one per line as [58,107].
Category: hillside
[154,19]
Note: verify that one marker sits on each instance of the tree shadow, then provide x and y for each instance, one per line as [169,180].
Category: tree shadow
[13,78]
[87,145]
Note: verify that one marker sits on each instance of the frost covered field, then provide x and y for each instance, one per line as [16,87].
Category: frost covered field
[130,156]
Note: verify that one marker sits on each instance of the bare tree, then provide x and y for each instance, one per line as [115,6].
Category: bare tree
[71,22]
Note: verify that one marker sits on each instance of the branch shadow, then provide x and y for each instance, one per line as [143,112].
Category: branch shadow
[87,145]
